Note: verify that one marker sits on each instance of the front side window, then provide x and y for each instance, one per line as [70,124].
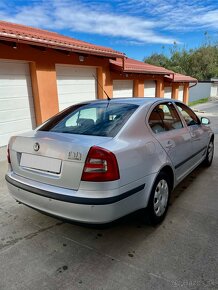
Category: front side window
[188,115]
[164,117]
[96,119]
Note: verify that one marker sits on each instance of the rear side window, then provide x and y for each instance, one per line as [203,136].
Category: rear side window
[100,119]
[164,117]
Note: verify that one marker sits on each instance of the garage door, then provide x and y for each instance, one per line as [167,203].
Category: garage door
[168,92]
[16,102]
[123,89]
[75,84]
[150,89]
[180,93]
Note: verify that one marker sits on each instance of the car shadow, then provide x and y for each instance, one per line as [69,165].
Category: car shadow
[185,183]
[137,219]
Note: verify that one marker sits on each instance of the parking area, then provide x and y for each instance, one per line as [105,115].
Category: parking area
[41,252]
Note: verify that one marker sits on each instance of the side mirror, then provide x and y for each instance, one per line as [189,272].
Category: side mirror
[205,121]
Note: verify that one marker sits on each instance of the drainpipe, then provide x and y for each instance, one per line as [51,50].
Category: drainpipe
[193,85]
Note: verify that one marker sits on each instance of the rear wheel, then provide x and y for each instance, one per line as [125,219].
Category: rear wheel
[209,156]
[159,199]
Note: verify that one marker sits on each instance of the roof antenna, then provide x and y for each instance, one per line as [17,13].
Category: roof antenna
[108,98]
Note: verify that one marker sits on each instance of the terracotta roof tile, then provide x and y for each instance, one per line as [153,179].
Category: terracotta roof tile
[135,66]
[16,32]
[181,78]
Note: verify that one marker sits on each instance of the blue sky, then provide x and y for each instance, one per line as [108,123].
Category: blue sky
[135,27]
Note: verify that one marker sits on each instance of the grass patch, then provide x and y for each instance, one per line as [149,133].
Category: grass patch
[201,101]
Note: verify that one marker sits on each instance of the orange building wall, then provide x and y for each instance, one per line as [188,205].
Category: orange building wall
[138,82]
[43,74]
[175,91]
[186,93]
[44,86]
[44,83]
[160,89]
[138,89]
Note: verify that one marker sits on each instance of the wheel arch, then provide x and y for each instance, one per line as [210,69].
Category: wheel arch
[212,137]
[169,171]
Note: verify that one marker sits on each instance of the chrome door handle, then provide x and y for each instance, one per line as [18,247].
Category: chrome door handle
[194,137]
[193,134]
[169,144]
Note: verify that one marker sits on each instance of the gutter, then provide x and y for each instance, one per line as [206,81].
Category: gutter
[193,85]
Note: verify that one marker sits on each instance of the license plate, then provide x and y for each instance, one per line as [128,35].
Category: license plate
[40,163]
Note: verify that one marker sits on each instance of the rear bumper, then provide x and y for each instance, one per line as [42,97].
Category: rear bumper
[70,205]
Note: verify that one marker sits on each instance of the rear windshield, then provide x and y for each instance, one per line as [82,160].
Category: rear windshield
[100,119]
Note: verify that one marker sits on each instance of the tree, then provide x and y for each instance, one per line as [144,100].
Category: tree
[201,63]
[157,59]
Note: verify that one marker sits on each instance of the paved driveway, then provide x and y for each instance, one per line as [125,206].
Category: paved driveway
[40,252]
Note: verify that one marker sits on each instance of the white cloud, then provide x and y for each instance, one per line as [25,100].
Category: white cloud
[209,19]
[131,21]
[109,24]
[183,15]
[88,18]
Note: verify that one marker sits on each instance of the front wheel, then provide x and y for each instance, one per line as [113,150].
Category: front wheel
[209,156]
[159,199]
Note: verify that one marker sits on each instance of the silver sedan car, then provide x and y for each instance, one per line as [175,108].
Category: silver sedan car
[97,161]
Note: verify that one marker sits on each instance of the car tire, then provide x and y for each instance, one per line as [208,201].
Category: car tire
[159,200]
[209,155]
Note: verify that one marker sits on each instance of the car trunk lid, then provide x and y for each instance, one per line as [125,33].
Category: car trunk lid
[52,158]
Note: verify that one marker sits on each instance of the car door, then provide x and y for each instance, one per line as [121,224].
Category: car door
[172,134]
[199,137]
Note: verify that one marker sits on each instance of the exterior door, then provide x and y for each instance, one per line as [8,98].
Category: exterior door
[75,84]
[168,92]
[150,89]
[16,100]
[122,89]
[198,136]
[181,93]
[174,137]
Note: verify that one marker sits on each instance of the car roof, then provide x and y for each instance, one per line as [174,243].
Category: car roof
[136,101]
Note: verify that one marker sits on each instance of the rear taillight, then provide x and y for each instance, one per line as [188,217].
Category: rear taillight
[8,155]
[100,165]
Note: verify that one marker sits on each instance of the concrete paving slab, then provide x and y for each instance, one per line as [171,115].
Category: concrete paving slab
[3,153]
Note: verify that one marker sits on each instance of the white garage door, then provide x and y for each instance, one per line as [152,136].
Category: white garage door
[75,84]
[122,89]
[168,92]
[150,89]
[180,93]
[16,101]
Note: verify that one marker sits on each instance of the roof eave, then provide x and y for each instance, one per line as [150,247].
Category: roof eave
[173,80]
[185,81]
[66,47]
[129,70]
[147,72]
